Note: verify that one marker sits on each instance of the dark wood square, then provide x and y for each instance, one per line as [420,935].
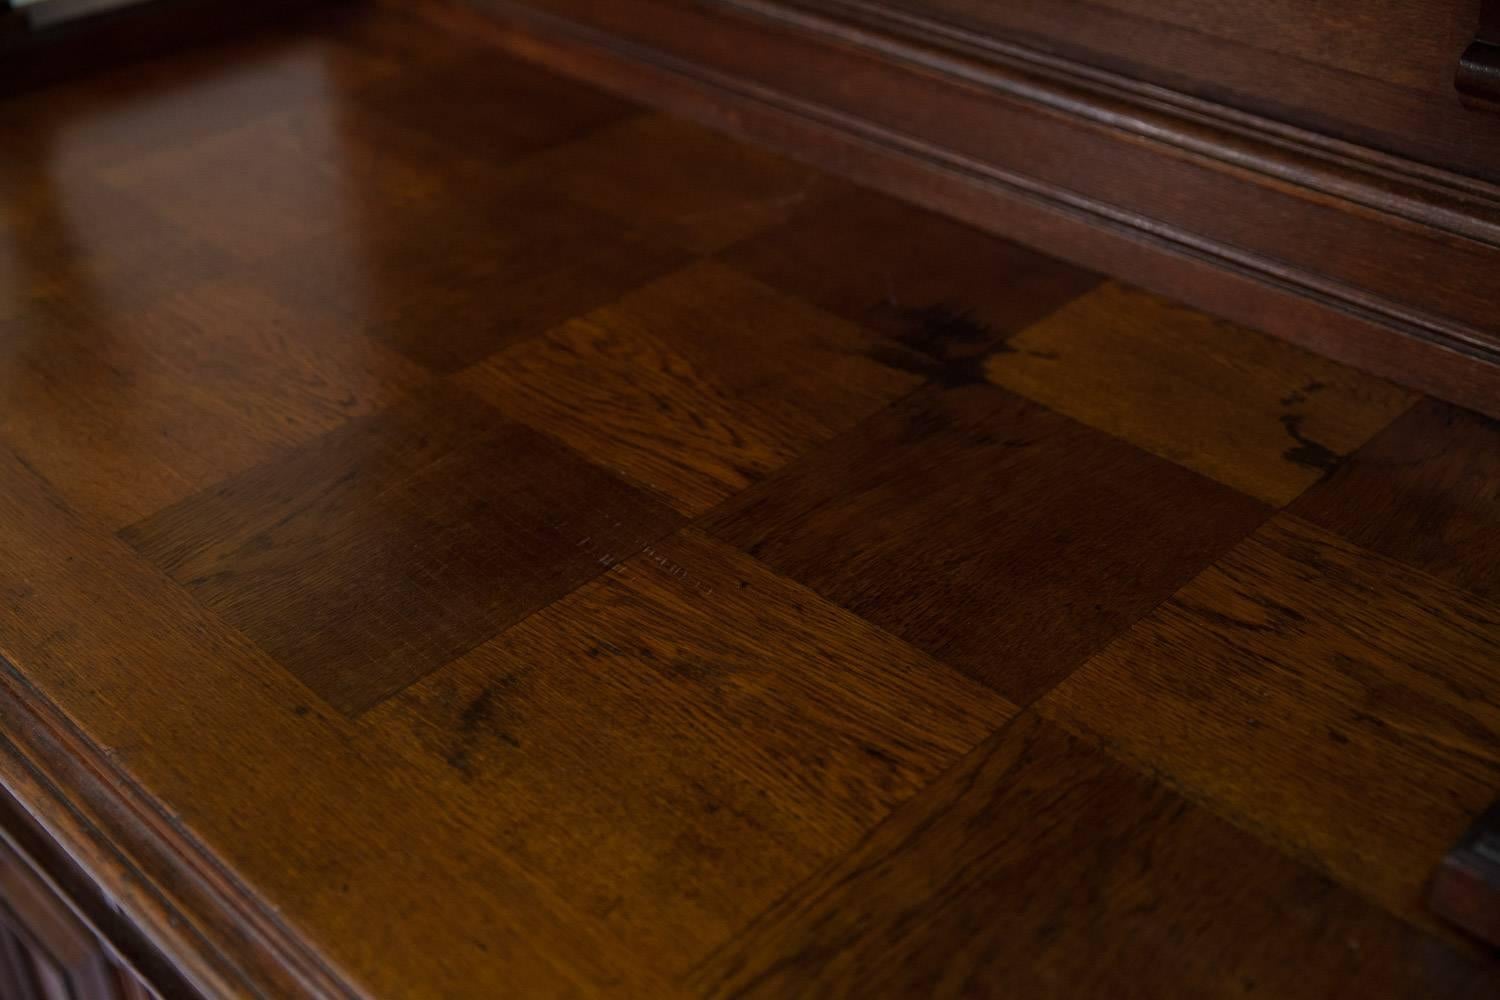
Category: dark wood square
[127,409]
[106,255]
[688,185]
[484,105]
[945,294]
[1032,541]
[381,551]
[1426,491]
[1040,867]
[447,281]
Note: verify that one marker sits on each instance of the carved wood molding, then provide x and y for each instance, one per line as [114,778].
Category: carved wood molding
[1298,234]
[1433,197]
[220,939]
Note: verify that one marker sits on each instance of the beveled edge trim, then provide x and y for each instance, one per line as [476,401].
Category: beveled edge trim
[1428,352]
[1386,183]
[215,933]
[1416,324]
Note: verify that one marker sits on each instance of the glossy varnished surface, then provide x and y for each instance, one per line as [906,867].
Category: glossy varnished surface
[515,543]
[999,536]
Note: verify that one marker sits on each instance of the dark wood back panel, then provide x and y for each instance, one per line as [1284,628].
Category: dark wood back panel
[1385,260]
[1378,73]
[1407,42]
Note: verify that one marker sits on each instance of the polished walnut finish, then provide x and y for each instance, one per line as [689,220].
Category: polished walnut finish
[694,386]
[1080,513]
[1378,73]
[478,492]
[1201,377]
[531,545]
[1043,867]
[1275,682]
[1305,169]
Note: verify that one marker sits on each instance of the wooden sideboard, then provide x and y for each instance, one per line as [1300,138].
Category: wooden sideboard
[45,952]
[60,939]
[1310,170]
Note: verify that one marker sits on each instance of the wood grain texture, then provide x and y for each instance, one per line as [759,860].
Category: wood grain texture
[431,527]
[1356,37]
[1042,868]
[1183,385]
[447,281]
[1426,491]
[1031,542]
[252,188]
[742,730]
[695,386]
[88,243]
[1337,702]
[1311,238]
[945,294]
[129,407]
[273,796]
[354,641]
[309,172]
[1376,73]
[694,649]
[695,188]
[509,109]
[199,92]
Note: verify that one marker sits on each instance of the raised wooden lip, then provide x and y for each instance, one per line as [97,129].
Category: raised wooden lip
[216,933]
[1396,191]
[225,940]
[1387,183]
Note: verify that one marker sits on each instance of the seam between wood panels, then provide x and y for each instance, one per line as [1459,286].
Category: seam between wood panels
[1433,330]
[1284,845]
[1271,512]
[832,862]
[1040,707]
[1086,735]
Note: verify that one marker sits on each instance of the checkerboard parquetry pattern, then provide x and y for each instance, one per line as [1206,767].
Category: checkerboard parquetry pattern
[424,419]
